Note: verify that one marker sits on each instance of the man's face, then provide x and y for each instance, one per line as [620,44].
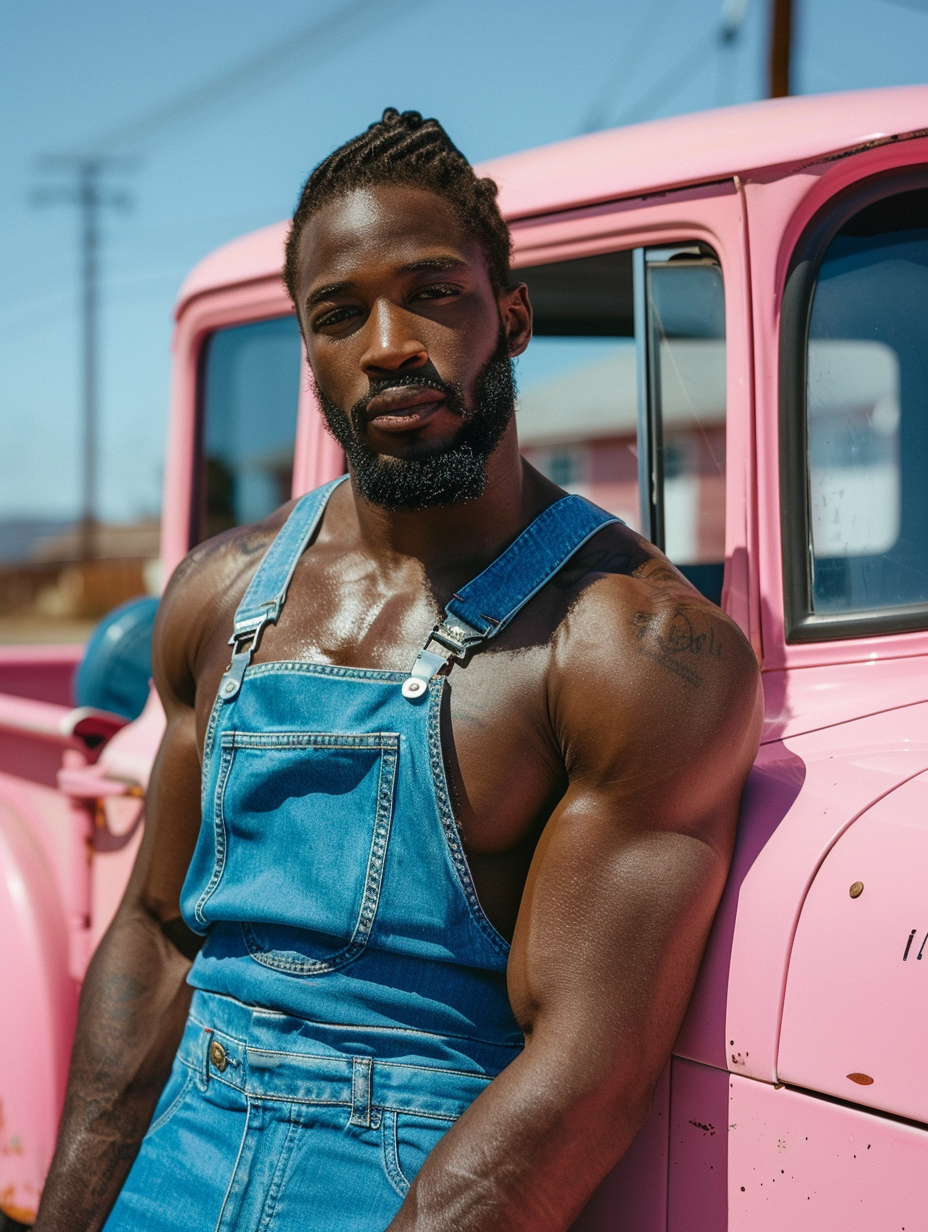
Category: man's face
[409,344]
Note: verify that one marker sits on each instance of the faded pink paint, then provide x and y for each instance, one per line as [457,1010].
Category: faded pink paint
[801,1164]
[810,698]
[846,771]
[857,990]
[40,997]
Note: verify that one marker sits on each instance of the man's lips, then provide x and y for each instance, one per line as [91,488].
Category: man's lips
[404,407]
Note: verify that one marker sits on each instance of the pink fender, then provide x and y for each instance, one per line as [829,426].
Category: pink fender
[37,1025]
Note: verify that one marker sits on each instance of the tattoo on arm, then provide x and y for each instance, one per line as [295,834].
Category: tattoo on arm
[676,643]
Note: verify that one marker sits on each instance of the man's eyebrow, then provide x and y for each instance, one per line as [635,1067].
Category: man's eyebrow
[326,292]
[411,267]
[434,263]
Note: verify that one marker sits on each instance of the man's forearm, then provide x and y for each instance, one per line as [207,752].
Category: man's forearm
[526,1156]
[133,1007]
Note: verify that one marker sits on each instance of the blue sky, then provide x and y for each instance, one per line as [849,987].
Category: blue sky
[502,75]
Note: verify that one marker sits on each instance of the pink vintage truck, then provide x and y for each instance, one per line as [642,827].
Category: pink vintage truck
[731,352]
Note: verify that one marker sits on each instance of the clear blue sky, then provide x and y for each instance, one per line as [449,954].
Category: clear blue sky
[502,75]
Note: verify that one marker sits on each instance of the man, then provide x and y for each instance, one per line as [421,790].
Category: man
[384,811]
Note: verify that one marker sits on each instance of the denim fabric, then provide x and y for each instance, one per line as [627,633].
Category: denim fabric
[331,883]
[288,1134]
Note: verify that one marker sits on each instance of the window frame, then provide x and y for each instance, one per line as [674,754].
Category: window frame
[196,518]
[801,623]
[651,437]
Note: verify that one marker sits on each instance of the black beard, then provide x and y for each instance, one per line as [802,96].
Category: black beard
[455,472]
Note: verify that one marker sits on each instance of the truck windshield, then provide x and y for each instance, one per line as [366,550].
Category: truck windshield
[250,387]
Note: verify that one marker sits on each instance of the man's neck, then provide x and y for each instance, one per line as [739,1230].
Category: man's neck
[454,542]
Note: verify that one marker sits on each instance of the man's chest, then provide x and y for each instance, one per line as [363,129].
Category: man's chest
[501,760]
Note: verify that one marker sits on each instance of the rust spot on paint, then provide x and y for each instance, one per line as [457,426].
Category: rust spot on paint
[862,1080]
[706,1129]
[11,1206]
[856,889]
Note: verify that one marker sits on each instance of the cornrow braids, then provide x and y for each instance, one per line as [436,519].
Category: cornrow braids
[404,149]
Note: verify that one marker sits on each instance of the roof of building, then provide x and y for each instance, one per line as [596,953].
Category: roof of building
[627,162]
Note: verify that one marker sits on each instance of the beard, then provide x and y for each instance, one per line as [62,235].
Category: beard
[453,472]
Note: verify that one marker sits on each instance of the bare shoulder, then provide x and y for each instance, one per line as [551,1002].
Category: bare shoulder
[650,675]
[200,600]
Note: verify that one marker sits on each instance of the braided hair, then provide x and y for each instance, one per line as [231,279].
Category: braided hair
[404,149]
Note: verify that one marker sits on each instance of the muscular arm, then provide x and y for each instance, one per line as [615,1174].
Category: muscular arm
[655,701]
[134,999]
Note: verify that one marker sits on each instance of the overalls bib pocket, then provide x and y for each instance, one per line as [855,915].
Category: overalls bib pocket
[306,818]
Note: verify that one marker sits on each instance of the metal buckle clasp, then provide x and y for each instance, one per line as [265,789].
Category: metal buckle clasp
[244,644]
[456,639]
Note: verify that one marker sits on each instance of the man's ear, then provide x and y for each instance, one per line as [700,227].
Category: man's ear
[516,314]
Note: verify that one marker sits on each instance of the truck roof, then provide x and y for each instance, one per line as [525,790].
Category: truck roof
[628,162]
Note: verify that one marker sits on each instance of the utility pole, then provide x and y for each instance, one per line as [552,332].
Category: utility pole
[781,40]
[86,190]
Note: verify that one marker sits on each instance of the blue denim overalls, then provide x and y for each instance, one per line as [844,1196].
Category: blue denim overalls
[350,996]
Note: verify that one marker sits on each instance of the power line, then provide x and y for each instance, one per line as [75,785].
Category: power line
[678,75]
[597,115]
[725,34]
[294,53]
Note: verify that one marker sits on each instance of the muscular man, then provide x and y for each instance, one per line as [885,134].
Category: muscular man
[444,895]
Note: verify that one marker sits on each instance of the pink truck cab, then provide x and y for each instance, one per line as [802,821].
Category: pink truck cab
[731,353]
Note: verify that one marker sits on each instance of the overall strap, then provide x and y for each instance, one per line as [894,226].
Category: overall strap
[264,599]
[484,607]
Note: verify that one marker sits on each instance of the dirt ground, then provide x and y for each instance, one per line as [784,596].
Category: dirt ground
[33,630]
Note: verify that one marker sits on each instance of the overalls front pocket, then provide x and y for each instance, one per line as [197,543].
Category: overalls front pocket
[303,826]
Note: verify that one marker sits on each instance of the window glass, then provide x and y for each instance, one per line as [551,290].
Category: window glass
[577,405]
[867,408]
[685,308]
[249,395]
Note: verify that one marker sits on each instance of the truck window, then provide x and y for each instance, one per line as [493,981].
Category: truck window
[249,390]
[866,400]
[680,331]
[577,404]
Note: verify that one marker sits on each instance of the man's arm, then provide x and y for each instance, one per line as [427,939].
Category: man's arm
[616,911]
[134,999]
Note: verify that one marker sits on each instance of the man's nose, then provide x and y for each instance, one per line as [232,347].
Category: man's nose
[392,342]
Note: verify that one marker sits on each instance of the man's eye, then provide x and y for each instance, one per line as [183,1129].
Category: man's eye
[437,291]
[335,317]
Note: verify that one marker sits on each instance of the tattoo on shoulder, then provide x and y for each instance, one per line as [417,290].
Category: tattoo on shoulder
[657,575]
[678,639]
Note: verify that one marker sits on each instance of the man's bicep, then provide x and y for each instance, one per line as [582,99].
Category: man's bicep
[609,938]
[628,873]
